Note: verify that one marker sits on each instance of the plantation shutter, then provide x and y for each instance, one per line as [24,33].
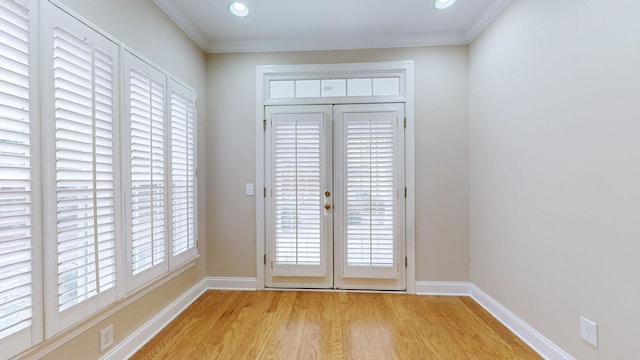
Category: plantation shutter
[370,192]
[298,217]
[83,106]
[183,173]
[148,221]
[371,173]
[16,222]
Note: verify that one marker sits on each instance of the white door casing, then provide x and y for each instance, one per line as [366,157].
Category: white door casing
[392,82]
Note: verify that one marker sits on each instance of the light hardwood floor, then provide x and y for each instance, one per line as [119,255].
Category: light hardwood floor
[333,325]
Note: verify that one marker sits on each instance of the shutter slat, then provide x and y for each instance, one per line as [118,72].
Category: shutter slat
[13,36]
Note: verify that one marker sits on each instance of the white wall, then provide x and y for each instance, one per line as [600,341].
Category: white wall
[442,239]
[555,169]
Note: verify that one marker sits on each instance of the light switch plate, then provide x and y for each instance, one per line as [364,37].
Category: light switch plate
[248,189]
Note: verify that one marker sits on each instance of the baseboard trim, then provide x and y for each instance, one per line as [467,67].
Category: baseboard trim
[127,347]
[232,283]
[442,288]
[543,346]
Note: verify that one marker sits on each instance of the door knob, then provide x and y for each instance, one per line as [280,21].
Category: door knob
[327,193]
[327,206]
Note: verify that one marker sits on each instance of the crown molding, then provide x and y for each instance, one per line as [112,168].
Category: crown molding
[483,21]
[337,43]
[323,43]
[183,23]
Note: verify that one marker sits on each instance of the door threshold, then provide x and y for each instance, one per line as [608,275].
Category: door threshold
[337,290]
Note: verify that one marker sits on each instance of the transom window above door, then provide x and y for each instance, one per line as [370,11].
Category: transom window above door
[366,86]
[335,83]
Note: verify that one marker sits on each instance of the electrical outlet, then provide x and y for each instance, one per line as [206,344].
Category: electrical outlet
[106,337]
[589,331]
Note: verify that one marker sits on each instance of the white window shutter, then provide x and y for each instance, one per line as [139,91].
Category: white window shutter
[81,140]
[145,92]
[183,173]
[297,192]
[17,306]
[370,192]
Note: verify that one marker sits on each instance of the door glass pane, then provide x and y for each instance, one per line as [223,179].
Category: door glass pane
[307,88]
[281,89]
[370,192]
[334,88]
[297,192]
[386,86]
[359,87]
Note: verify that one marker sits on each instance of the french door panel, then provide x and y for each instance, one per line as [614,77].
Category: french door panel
[369,196]
[350,239]
[299,237]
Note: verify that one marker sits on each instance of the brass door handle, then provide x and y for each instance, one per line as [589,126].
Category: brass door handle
[327,206]
[327,193]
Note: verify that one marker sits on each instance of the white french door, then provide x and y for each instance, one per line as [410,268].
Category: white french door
[299,239]
[335,196]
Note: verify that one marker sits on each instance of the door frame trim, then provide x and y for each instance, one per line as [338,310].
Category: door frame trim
[403,69]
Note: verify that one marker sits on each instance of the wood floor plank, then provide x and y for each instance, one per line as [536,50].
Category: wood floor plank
[333,325]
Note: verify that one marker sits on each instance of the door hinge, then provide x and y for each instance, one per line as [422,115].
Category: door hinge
[265,192]
[406,262]
[405,123]
[405,192]
[265,259]
[264,124]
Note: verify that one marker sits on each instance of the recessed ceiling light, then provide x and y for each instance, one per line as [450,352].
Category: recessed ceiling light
[444,4]
[239,9]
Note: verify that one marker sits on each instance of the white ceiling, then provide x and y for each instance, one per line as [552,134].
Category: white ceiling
[279,25]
